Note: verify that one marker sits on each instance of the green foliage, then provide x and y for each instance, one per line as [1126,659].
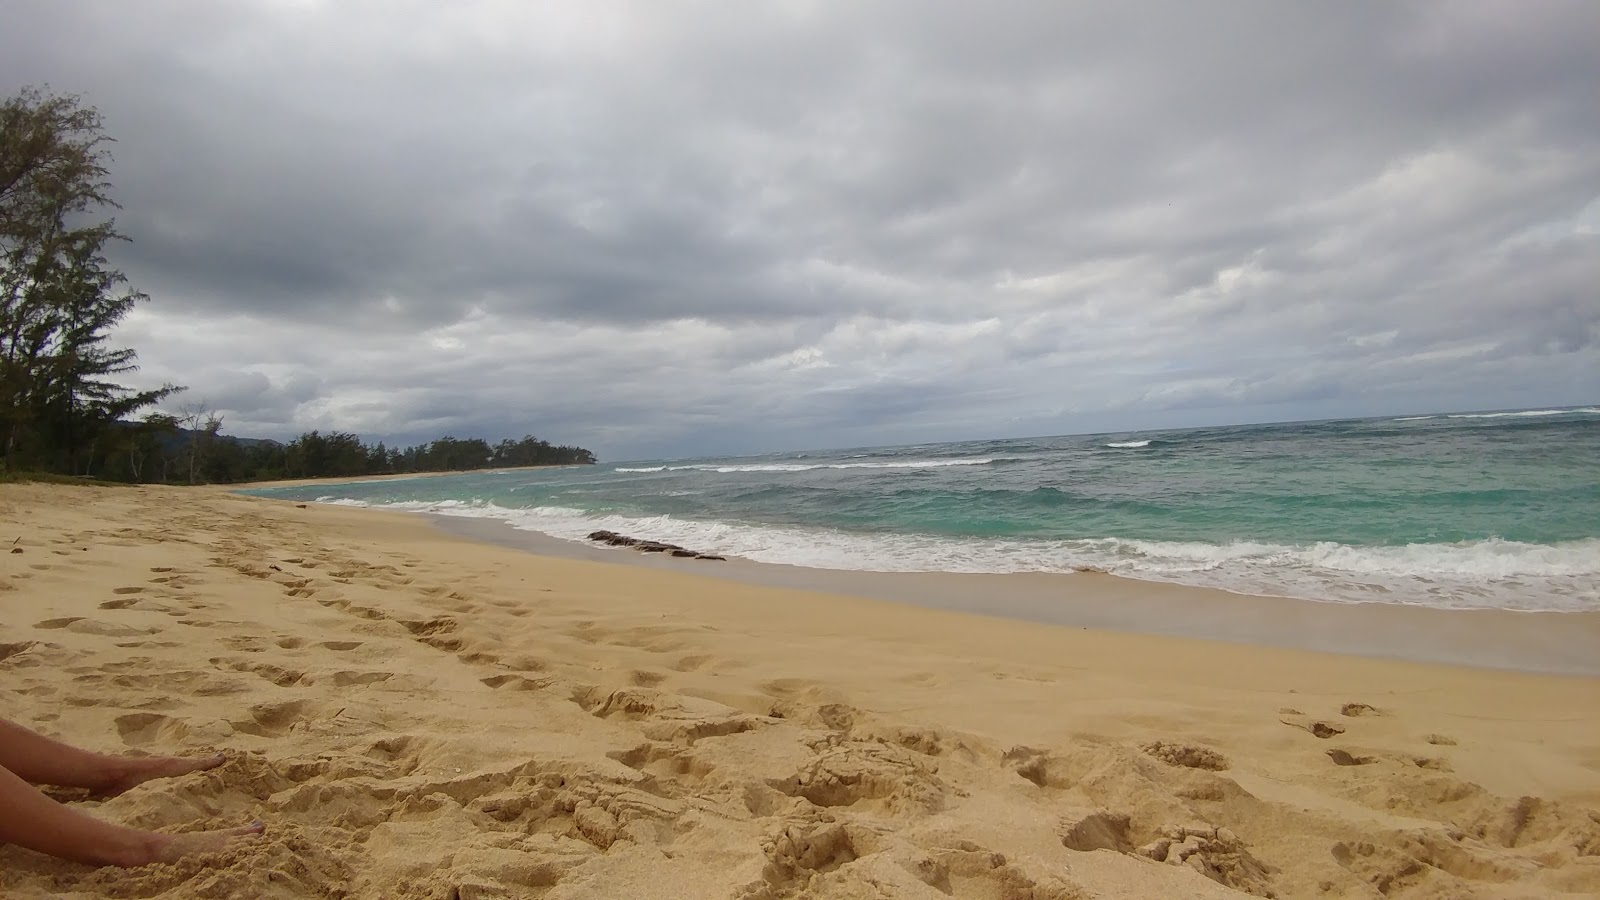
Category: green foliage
[54,478]
[343,455]
[59,298]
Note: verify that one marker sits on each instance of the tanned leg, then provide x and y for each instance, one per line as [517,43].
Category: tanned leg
[32,820]
[40,760]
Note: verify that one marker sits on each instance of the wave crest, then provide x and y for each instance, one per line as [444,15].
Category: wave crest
[730,468]
[1527,413]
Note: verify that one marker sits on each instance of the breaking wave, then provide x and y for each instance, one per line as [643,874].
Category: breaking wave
[728,468]
[1490,573]
[1526,413]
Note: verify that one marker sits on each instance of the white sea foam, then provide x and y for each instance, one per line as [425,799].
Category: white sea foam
[1519,414]
[1526,413]
[727,468]
[1474,574]
[1128,444]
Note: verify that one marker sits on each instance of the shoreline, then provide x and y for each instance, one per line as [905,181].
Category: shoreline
[1479,573]
[417,713]
[1558,643]
[395,476]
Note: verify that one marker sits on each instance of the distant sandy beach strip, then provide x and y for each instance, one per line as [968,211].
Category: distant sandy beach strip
[418,715]
[396,476]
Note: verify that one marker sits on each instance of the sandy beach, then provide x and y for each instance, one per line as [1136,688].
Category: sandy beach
[414,714]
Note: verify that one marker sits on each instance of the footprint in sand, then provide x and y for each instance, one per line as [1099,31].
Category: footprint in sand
[1346,758]
[514,683]
[128,590]
[1320,729]
[691,662]
[139,729]
[524,662]
[339,645]
[441,625]
[351,679]
[390,749]
[364,612]
[1030,763]
[80,625]
[480,658]
[275,674]
[9,650]
[1359,709]
[447,644]
[272,719]
[173,582]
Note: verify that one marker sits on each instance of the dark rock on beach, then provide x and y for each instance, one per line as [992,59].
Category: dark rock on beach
[644,546]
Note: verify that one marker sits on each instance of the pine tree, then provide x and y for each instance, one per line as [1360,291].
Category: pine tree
[59,296]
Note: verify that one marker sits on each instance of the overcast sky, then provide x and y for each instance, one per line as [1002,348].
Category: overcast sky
[663,228]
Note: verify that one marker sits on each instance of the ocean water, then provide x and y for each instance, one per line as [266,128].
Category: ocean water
[1496,509]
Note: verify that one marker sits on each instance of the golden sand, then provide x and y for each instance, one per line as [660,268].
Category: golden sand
[419,716]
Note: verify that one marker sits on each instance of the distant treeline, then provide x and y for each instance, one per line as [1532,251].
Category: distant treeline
[205,457]
[158,450]
[341,455]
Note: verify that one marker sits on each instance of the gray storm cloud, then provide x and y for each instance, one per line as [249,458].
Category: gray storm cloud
[678,228]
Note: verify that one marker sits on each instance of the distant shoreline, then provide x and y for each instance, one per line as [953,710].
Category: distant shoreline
[397,476]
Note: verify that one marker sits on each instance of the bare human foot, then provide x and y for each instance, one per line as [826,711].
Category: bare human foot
[165,848]
[35,821]
[124,772]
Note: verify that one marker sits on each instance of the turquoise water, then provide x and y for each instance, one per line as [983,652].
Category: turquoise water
[1476,510]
